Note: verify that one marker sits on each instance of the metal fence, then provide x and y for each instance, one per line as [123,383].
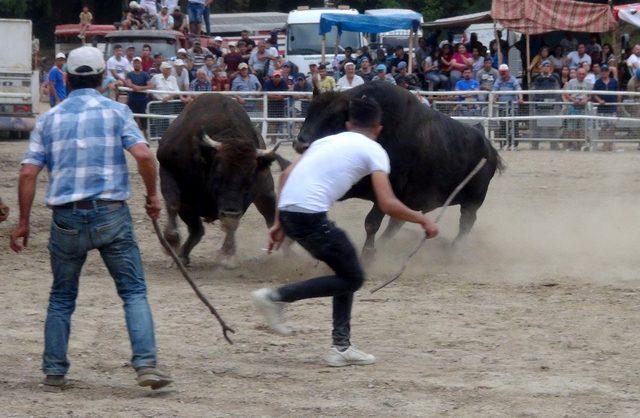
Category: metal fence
[551,119]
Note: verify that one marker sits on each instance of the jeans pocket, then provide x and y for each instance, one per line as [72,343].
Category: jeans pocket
[116,227]
[64,240]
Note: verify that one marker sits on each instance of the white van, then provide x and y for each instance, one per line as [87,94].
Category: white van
[390,40]
[304,44]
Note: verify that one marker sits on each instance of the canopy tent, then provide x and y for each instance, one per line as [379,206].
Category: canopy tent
[369,24]
[534,17]
[258,22]
[628,13]
[459,21]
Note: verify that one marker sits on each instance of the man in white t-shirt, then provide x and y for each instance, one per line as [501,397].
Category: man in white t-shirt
[575,59]
[350,79]
[307,190]
[118,65]
[633,62]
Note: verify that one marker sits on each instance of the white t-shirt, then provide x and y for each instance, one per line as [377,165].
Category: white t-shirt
[160,83]
[329,168]
[183,79]
[633,62]
[575,60]
[343,82]
[121,67]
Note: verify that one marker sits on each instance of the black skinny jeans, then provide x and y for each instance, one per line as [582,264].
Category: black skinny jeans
[328,243]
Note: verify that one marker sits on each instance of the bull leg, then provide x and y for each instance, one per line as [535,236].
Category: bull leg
[266,205]
[196,231]
[371,226]
[468,215]
[392,229]
[171,195]
[227,253]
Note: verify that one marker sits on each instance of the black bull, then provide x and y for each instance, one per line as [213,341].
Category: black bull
[430,154]
[213,165]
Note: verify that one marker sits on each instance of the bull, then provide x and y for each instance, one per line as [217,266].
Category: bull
[430,154]
[213,166]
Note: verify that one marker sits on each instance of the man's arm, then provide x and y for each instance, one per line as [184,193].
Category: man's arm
[148,171]
[392,206]
[26,193]
[276,234]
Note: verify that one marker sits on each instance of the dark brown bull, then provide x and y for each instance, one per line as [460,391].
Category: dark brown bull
[213,165]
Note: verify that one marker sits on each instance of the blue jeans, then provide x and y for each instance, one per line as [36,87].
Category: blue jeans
[328,243]
[74,232]
[195,12]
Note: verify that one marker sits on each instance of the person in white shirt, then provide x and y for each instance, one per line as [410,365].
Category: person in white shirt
[181,74]
[118,65]
[575,59]
[349,80]
[307,190]
[164,81]
[633,62]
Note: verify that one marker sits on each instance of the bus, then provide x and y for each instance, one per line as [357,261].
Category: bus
[304,44]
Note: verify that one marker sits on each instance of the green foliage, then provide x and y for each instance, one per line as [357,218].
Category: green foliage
[13,9]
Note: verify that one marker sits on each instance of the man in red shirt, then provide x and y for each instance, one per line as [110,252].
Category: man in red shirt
[147,58]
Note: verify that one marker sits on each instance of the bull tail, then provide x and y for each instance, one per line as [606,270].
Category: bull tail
[493,157]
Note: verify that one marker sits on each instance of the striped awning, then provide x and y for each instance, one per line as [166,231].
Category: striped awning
[541,16]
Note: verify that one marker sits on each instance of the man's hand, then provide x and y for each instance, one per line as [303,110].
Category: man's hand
[20,237]
[4,212]
[153,206]
[430,228]
[276,237]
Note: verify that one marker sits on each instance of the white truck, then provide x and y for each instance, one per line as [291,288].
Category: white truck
[304,44]
[19,83]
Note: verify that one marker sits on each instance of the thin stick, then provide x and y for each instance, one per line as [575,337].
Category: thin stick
[183,270]
[447,202]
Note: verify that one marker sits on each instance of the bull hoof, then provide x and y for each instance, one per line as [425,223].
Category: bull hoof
[185,261]
[368,255]
[228,261]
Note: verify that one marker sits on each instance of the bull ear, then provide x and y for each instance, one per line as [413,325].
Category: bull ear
[206,139]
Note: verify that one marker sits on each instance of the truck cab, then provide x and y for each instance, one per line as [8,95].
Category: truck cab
[304,44]
[165,42]
[66,37]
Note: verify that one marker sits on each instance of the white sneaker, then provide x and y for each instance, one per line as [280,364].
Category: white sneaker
[271,310]
[351,356]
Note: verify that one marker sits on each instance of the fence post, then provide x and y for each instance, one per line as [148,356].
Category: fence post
[490,114]
[265,113]
[587,125]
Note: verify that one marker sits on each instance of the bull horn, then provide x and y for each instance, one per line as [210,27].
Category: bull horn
[210,142]
[267,152]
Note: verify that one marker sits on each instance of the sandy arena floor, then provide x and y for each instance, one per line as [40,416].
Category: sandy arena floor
[537,314]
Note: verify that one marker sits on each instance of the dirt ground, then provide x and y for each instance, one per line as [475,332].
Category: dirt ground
[536,314]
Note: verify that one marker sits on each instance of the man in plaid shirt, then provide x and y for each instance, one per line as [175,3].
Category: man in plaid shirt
[82,143]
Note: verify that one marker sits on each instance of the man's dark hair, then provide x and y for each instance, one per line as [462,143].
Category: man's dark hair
[147,46]
[117,46]
[364,112]
[77,82]
[158,55]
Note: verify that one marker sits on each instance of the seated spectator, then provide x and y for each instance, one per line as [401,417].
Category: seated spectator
[325,83]
[158,59]
[487,77]
[350,79]
[569,42]
[134,17]
[398,57]
[246,40]
[184,56]
[164,21]
[180,21]
[565,76]
[201,82]
[535,68]
[475,43]
[381,74]
[217,49]
[348,58]
[232,59]
[606,54]
[381,57]
[576,58]
[220,80]
[314,74]
[181,74]
[445,65]
[259,59]
[165,81]
[109,87]
[245,81]
[130,54]
[557,59]
[606,103]
[459,62]
[301,83]
[365,72]
[364,54]
[118,65]
[404,79]
[468,83]
[286,71]
[197,54]
[633,61]
[85,21]
[138,81]
[210,66]
[577,104]
[147,58]
[593,46]
[478,62]
[277,102]
[432,75]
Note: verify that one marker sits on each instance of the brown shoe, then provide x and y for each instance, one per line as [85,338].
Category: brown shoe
[153,377]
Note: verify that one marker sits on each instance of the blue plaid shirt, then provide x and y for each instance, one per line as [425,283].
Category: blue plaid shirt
[82,143]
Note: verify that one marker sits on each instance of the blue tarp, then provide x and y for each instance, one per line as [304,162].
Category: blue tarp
[368,24]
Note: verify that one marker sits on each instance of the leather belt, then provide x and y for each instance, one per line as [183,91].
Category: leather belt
[90,204]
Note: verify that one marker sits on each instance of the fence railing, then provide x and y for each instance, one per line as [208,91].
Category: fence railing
[507,117]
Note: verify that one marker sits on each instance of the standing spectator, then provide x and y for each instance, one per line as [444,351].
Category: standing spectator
[577,105]
[478,62]
[248,42]
[593,46]
[217,50]
[171,4]
[118,65]
[545,105]
[557,59]
[158,59]
[201,82]
[57,89]
[314,74]
[164,19]
[381,74]
[134,19]
[487,76]
[130,54]
[181,74]
[180,20]
[138,81]
[468,83]
[350,79]
[285,71]
[301,83]
[165,81]
[326,83]
[150,8]
[432,75]
[258,60]
[421,52]
[576,58]
[404,79]
[220,80]
[147,58]
[232,59]
[459,62]
[475,43]
[85,21]
[109,87]
[569,42]
[606,102]
[381,57]
[82,143]
[366,73]
[206,16]
[277,107]
[197,54]
[209,66]
[245,81]
[184,56]
[195,9]
[398,57]
[506,104]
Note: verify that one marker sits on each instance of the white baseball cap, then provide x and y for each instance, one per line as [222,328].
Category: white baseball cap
[136,59]
[166,65]
[61,55]
[134,5]
[178,63]
[503,67]
[182,51]
[217,38]
[85,60]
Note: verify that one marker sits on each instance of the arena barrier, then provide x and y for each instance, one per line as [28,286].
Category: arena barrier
[541,117]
